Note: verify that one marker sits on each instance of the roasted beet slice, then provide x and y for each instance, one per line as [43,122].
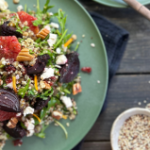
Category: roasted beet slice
[40,103]
[70,70]
[9,31]
[9,101]
[4,115]
[18,132]
[39,66]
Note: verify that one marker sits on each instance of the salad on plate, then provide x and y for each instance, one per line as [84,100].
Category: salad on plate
[39,70]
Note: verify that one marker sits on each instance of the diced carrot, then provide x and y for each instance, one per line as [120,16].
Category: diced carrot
[14,84]
[37,117]
[73,38]
[36,82]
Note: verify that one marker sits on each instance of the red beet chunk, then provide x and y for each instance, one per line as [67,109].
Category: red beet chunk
[70,70]
[4,115]
[40,103]
[17,142]
[9,31]
[39,66]
[9,101]
[18,132]
[86,69]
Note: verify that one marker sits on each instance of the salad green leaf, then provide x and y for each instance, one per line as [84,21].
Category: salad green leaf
[64,129]
[46,94]
[62,20]
[23,90]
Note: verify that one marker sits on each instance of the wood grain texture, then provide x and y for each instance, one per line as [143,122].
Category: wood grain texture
[137,54]
[96,146]
[125,91]
[130,87]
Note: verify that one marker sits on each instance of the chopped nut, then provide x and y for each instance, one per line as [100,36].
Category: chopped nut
[12,122]
[57,115]
[25,34]
[16,1]
[45,85]
[43,33]
[24,55]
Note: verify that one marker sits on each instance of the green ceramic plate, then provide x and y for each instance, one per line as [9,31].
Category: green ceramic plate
[115,3]
[91,100]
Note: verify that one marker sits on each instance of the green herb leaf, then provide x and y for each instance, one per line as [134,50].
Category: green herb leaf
[40,135]
[60,40]
[47,7]
[31,52]
[64,129]
[43,113]
[62,19]
[46,94]
[23,90]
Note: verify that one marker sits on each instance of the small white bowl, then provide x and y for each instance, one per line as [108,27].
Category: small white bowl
[118,123]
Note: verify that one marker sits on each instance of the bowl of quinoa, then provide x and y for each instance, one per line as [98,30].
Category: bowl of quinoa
[131,130]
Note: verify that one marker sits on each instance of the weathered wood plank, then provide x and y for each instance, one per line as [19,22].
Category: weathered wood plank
[96,146]
[126,91]
[136,57]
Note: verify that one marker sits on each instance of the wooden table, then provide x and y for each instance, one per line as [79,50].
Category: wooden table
[131,85]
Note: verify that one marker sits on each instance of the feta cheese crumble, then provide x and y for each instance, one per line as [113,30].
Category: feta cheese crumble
[28,110]
[30,126]
[52,39]
[67,101]
[54,25]
[61,60]
[58,50]
[47,73]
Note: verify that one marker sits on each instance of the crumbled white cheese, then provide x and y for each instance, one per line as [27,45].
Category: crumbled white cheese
[10,85]
[28,110]
[30,126]
[51,14]
[61,59]
[67,101]
[3,5]
[57,66]
[47,27]
[92,45]
[52,39]
[30,133]
[58,50]
[3,61]
[54,25]
[20,8]
[64,48]
[47,73]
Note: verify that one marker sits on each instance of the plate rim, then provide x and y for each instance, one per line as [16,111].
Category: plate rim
[106,86]
[117,5]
